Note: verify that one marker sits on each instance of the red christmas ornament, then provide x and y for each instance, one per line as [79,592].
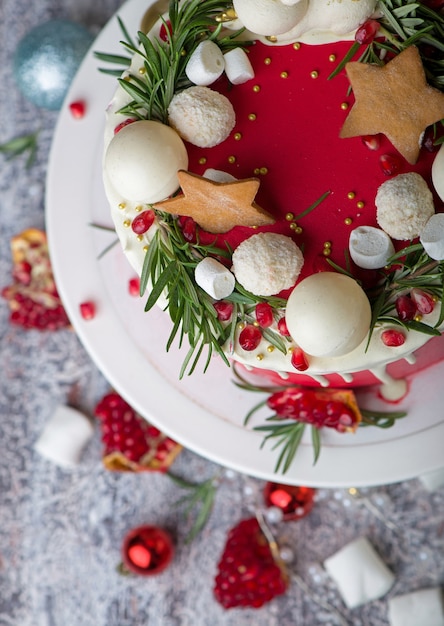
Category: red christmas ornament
[147,550]
[294,502]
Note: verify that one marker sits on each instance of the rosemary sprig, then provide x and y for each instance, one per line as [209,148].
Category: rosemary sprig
[20,145]
[201,495]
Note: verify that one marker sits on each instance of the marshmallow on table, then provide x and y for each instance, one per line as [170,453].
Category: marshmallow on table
[420,608]
[238,67]
[64,437]
[359,573]
[370,247]
[433,480]
[432,237]
[214,278]
[206,64]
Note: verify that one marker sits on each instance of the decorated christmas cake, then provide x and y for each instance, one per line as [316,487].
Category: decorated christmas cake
[275,177]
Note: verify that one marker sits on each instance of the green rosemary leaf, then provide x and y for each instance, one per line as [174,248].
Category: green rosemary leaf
[380,418]
[201,495]
[422,328]
[19,145]
[161,283]
[256,408]
[316,441]
[313,206]
[116,59]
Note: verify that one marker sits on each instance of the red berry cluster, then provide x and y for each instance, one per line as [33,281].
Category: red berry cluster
[320,408]
[248,575]
[131,443]
[417,302]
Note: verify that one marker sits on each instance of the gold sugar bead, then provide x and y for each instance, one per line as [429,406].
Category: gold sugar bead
[252,117]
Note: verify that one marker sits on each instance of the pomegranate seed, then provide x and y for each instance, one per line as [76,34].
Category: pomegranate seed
[142,222]
[250,337]
[163,34]
[22,272]
[392,338]
[390,164]
[134,286]
[224,310]
[429,138]
[189,229]
[264,314]
[423,301]
[299,360]
[405,308]
[123,124]
[367,32]
[372,142]
[282,327]
[88,310]
[77,109]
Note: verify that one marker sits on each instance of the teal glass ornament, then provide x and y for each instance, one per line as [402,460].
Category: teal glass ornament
[47,59]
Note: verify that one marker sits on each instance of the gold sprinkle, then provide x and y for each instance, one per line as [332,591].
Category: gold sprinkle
[256,88]
[252,117]
[297,229]
[139,237]
[127,223]
[351,195]
[183,53]
[257,171]
[360,204]
[327,244]
[231,159]
[226,16]
[344,106]
[294,226]
[142,70]
[290,350]
[348,221]
[256,323]
[146,248]
[238,136]
[138,208]
[297,45]
[254,227]
[267,61]
[263,171]
[241,325]
[259,357]
[418,317]
[272,38]
[326,251]
[122,206]
[289,217]
[270,348]
[332,58]
[284,74]
[127,78]
[202,160]
[314,74]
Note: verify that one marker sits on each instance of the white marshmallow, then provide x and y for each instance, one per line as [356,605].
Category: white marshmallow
[218,176]
[214,278]
[64,437]
[438,173]
[370,247]
[420,608]
[432,237]
[206,63]
[359,573]
[433,480]
[238,67]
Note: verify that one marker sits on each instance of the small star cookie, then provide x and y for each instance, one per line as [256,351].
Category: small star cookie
[217,207]
[393,99]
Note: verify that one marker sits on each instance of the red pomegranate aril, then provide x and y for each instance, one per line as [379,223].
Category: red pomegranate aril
[405,308]
[88,310]
[163,34]
[142,222]
[390,164]
[372,142]
[423,301]
[282,327]
[224,310]
[78,109]
[123,124]
[264,314]
[189,229]
[250,337]
[367,32]
[134,286]
[392,338]
[299,360]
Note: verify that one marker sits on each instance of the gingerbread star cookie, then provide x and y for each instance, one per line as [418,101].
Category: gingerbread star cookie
[217,207]
[393,99]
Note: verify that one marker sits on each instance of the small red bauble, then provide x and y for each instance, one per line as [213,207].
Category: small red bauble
[147,550]
[294,502]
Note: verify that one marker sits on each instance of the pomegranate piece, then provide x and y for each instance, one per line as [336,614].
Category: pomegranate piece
[405,308]
[224,310]
[390,164]
[372,142]
[87,310]
[134,286]
[143,222]
[392,338]
[264,314]
[123,124]
[248,574]
[250,337]
[299,360]
[332,408]
[130,442]
[78,109]
[32,297]
[423,301]
[282,327]
[367,32]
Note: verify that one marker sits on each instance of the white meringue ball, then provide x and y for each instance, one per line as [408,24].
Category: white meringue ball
[142,161]
[328,314]
[268,17]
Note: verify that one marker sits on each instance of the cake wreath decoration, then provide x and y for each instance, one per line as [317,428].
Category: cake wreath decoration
[307,269]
